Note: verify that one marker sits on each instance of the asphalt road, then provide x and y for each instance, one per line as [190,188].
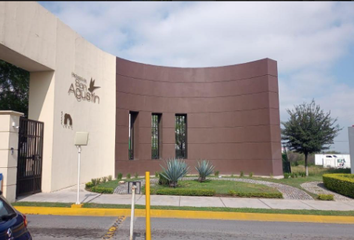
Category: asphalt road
[85,228]
[44,227]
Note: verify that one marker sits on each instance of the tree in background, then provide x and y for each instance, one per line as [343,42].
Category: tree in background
[309,130]
[14,85]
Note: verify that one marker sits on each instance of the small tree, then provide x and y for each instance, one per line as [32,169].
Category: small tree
[14,85]
[309,130]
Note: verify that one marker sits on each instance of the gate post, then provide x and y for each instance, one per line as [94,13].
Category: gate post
[9,125]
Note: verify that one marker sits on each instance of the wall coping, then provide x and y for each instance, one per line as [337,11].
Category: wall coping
[11,113]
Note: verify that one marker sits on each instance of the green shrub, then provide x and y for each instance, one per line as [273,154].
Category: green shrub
[340,183]
[136,175]
[120,176]
[326,197]
[232,175]
[94,181]
[128,176]
[89,185]
[302,174]
[216,173]
[204,169]
[157,174]
[102,189]
[251,174]
[286,163]
[175,170]
[98,180]
[104,179]
[184,192]
[258,195]
[293,175]
[286,175]
[162,180]
[271,175]
[241,174]
[110,178]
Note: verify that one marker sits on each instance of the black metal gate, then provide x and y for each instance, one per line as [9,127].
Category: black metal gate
[30,149]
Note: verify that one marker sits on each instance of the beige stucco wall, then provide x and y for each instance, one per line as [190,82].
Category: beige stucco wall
[34,39]
[8,158]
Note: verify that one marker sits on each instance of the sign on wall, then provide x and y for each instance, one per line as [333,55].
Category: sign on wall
[81,91]
[66,120]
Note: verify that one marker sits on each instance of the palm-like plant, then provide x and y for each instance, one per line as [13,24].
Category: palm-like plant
[204,169]
[175,170]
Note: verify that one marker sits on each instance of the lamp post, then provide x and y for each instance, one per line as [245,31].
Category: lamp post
[78,174]
[81,139]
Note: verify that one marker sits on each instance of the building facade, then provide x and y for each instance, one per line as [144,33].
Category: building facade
[231,113]
[138,115]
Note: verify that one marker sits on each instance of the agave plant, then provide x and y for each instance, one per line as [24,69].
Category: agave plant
[175,170]
[204,169]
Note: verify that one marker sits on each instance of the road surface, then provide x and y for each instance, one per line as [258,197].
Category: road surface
[88,228]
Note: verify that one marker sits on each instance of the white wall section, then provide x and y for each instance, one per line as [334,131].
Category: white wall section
[59,60]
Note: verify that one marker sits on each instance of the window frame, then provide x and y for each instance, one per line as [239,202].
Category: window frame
[184,128]
[156,125]
[132,139]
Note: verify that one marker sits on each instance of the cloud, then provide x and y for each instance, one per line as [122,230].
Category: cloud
[306,38]
[204,34]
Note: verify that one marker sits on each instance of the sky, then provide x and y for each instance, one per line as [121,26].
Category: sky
[312,42]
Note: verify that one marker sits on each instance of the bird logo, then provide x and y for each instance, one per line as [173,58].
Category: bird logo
[92,86]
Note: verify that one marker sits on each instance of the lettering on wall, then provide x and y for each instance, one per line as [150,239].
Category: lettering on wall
[81,92]
[66,120]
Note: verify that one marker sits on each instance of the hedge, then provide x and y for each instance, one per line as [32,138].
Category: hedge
[101,189]
[181,192]
[326,197]
[259,195]
[340,183]
[89,185]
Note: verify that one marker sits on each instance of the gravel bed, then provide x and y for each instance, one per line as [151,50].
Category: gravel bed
[287,191]
[319,188]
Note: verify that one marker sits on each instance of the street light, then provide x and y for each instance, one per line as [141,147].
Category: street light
[81,139]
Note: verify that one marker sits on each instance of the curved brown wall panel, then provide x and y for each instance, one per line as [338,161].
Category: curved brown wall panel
[232,115]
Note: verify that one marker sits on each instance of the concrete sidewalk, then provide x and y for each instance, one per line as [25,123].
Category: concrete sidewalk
[69,196]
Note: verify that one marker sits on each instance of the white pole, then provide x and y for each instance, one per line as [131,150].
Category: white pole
[78,175]
[132,213]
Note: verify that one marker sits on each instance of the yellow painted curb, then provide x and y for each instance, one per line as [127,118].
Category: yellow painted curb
[77,205]
[187,214]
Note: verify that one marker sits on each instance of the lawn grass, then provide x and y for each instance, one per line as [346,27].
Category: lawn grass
[221,187]
[42,204]
[212,209]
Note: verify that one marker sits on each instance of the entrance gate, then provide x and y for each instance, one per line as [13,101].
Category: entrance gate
[30,149]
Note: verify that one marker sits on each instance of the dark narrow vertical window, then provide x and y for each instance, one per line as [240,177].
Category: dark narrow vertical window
[155,135]
[132,118]
[181,136]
